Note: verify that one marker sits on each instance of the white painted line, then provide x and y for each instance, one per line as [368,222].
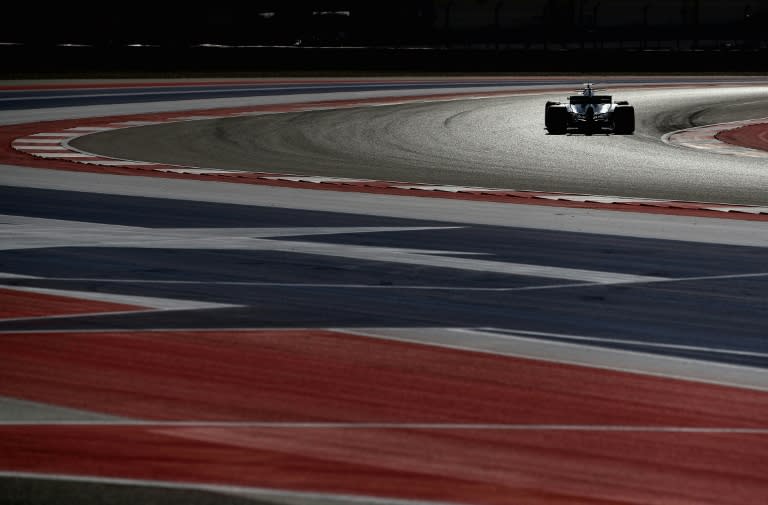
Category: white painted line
[56,134]
[139,301]
[78,314]
[200,171]
[264,239]
[406,287]
[749,210]
[305,285]
[600,199]
[198,118]
[90,129]
[28,140]
[397,426]
[39,147]
[450,189]
[136,123]
[315,179]
[62,155]
[452,259]
[7,275]
[118,163]
[640,343]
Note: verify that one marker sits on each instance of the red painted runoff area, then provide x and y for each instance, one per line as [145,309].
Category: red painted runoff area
[534,467]
[752,136]
[15,303]
[417,421]
[318,375]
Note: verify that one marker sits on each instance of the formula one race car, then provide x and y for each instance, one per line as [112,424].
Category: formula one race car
[590,113]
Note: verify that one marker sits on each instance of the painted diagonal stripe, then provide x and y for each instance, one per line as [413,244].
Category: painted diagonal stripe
[118,163]
[117,421]
[68,155]
[599,199]
[750,210]
[450,189]
[19,303]
[259,495]
[136,123]
[56,134]
[314,179]
[138,301]
[90,129]
[39,147]
[28,140]
[199,171]
[38,233]
[428,258]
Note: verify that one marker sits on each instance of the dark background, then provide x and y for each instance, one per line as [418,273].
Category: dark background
[278,36]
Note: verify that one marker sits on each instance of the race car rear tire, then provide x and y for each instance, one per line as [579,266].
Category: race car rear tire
[556,119]
[624,120]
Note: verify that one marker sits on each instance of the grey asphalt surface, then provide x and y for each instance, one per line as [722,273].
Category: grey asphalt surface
[493,142]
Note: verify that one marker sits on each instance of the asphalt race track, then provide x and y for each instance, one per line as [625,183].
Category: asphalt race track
[175,339]
[495,142]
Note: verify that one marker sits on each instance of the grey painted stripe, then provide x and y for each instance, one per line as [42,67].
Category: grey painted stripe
[639,343]
[40,234]
[67,155]
[280,496]
[39,147]
[118,163]
[140,301]
[17,411]
[28,140]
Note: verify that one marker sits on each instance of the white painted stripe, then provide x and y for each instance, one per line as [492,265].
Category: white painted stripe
[570,285]
[198,118]
[600,199]
[118,163]
[28,140]
[55,134]
[315,179]
[639,343]
[446,259]
[749,210]
[304,285]
[263,239]
[90,128]
[139,301]
[67,154]
[7,275]
[38,147]
[256,493]
[23,411]
[396,426]
[450,189]
[136,123]
[200,171]
[78,314]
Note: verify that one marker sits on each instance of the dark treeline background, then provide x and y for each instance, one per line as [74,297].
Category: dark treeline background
[396,35]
